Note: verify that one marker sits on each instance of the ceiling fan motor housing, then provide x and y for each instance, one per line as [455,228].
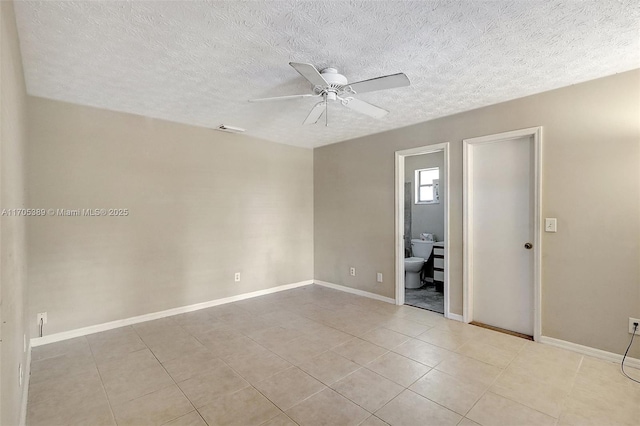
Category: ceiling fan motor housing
[333,78]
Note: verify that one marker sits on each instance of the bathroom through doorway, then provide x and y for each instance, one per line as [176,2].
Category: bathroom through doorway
[422,228]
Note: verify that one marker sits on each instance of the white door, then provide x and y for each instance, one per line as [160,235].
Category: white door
[502,191]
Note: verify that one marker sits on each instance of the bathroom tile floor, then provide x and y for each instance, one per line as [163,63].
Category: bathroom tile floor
[426,297]
[315,356]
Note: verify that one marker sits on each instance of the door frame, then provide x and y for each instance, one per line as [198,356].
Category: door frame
[467,221]
[399,232]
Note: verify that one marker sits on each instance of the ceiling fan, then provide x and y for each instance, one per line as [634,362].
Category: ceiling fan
[329,85]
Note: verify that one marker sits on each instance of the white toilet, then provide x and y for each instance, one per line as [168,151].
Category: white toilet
[413,265]
[412,268]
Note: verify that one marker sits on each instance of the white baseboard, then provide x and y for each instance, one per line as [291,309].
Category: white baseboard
[65,335]
[355,291]
[454,317]
[587,350]
[25,388]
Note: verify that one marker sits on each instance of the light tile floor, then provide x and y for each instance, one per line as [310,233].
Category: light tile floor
[315,356]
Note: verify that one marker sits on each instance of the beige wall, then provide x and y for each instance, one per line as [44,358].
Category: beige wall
[13,135]
[203,205]
[426,217]
[591,172]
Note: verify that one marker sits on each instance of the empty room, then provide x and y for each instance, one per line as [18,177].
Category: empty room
[273,213]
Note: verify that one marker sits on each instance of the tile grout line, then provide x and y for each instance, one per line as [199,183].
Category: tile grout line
[170,376]
[463,355]
[502,373]
[429,399]
[380,326]
[328,350]
[349,399]
[292,366]
[297,403]
[178,325]
[405,388]
[304,372]
[104,389]
[510,399]
[496,379]
[573,385]
[372,412]
[251,384]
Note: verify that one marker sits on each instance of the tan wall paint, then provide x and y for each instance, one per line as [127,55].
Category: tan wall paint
[13,285]
[203,205]
[591,172]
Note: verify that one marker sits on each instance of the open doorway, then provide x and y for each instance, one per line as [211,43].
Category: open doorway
[422,234]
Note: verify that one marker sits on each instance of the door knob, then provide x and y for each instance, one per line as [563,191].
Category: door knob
[528,246]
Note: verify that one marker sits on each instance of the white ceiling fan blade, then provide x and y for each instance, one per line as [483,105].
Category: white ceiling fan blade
[310,72]
[380,83]
[283,98]
[316,112]
[365,108]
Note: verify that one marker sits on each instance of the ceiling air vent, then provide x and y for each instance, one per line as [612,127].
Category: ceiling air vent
[229,129]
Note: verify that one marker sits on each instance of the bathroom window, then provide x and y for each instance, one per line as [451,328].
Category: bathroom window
[427,186]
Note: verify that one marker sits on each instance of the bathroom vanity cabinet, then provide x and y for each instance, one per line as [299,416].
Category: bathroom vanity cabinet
[438,266]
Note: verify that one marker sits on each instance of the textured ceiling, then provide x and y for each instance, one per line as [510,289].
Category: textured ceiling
[199,62]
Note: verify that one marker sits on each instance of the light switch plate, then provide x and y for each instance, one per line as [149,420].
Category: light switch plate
[551,224]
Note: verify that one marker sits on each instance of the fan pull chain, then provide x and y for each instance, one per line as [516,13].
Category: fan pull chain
[326,112]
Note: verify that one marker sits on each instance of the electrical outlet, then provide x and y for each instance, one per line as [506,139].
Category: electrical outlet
[379,277]
[43,316]
[352,271]
[631,322]
[237,277]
